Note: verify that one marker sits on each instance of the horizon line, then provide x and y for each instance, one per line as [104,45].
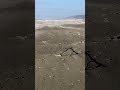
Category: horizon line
[57,18]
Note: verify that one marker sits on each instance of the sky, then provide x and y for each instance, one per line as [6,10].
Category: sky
[57,9]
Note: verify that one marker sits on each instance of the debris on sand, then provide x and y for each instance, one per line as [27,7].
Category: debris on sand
[57,55]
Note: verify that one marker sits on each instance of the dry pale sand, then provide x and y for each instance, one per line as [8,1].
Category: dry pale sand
[60,55]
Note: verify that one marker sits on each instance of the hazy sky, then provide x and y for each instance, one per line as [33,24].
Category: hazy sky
[55,9]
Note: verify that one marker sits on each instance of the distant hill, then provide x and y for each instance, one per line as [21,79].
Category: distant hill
[76,17]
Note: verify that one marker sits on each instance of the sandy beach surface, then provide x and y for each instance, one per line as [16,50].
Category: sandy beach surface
[60,55]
